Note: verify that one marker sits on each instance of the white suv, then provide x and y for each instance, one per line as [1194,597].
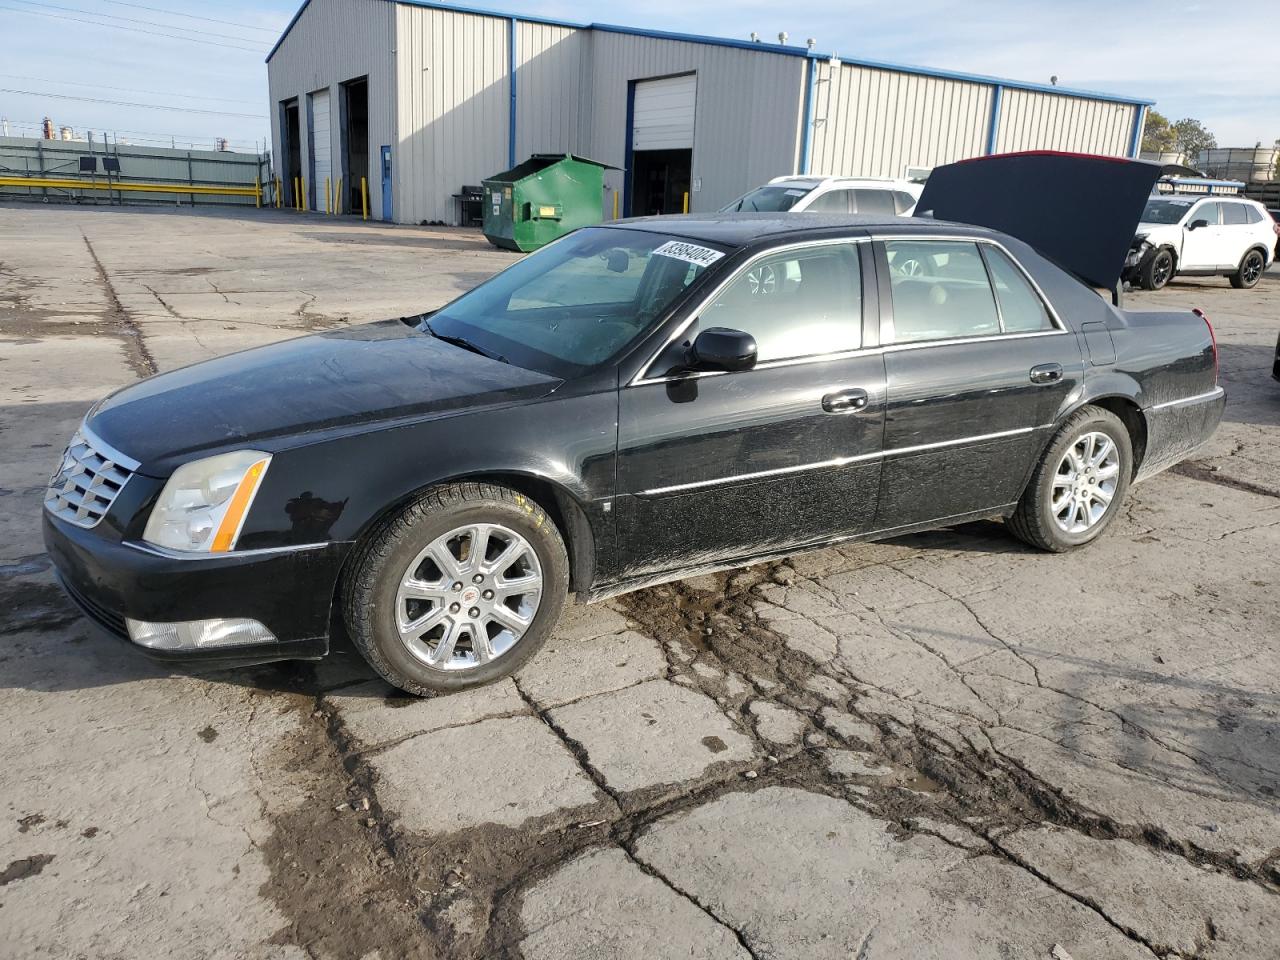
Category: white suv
[819,194]
[1201,237]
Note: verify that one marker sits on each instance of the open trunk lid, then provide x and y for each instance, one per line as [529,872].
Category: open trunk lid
[1079,210]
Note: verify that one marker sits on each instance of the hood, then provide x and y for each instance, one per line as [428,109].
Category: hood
[1080,211]
[364,374]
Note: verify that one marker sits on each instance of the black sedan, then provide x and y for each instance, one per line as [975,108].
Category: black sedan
[635,403]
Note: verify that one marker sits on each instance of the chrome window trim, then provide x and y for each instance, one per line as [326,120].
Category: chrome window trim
[1060,328]
[990,241]
[640,379]
[840,461]
[170,554]
[1213,394]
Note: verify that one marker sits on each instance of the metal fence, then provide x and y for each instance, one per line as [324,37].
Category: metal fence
[87,172]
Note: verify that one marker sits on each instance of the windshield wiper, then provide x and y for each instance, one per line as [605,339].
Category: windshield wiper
[464,343]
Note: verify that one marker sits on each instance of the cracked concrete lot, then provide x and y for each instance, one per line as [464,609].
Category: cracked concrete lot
[943,746]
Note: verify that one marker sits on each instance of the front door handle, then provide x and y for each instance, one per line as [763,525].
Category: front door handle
[845,401]
[1046,373]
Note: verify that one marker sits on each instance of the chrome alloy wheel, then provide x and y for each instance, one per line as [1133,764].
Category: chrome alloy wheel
[1085,482]
[468,597]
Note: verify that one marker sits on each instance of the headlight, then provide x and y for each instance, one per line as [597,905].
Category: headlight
[203,506]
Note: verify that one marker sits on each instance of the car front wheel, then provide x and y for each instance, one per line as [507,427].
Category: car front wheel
[460,588]
[1076,489]
[1156,269]
[1250,270]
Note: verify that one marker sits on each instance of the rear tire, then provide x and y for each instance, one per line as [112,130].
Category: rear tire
[1156,269]
[1089,459]
[424,596]
[1250,270]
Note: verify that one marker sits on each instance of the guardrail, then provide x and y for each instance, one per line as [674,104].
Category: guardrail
[115,186]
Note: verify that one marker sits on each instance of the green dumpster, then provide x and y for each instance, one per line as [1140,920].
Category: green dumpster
[543,198]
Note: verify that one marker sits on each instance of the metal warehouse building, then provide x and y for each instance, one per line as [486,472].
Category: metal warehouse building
[423,98]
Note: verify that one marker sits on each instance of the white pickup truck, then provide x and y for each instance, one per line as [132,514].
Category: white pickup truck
[1201,236]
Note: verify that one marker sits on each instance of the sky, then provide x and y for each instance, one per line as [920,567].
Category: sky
[210,77]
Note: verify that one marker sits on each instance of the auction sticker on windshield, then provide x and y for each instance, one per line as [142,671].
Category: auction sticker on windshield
[689,253]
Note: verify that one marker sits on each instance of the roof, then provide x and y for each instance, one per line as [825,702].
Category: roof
[739,229]
[753,46]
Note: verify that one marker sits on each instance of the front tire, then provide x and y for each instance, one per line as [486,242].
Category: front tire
[460,588]
[1156,269]
[1079,484]
[1250,270]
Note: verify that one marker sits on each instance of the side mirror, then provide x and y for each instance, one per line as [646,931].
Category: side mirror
[719,348]
[1197,224]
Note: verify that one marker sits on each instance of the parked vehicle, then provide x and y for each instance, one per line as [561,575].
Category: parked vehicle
[1275,225]
[820,194]
[634,403]
[1201,237]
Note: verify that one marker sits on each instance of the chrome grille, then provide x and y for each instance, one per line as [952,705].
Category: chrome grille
[88,480]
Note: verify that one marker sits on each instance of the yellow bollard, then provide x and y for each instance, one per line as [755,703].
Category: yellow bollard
[305,205]
[297,194]
[328,197]
[364,196]
[615,204]
[337,199]
[257,191]
[686,202]
[279,198]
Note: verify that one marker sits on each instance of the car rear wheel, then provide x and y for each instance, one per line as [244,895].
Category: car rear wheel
[1156,269]
[460,588]
[1250,270]
[1076,489]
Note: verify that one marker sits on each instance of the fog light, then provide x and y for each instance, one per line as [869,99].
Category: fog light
[198,634]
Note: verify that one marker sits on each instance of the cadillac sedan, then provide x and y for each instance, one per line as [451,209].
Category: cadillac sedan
[635,403]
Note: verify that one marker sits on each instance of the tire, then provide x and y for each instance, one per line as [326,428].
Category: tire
[1036,522]
[1250,270]
[374,602]
[1156,269]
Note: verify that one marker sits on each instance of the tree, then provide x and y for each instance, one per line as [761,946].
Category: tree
[1157,135]
[1190,137]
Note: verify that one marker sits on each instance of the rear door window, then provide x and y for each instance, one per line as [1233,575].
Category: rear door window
[1233,214]
[1252,214]
[875,202]
[940,291]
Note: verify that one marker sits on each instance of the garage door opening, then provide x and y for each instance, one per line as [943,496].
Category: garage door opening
[660,180]
[320,146]
[354,104]
[292,153]
[660,144]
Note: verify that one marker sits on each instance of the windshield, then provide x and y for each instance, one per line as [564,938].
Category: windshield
[775,199]
[575,303]
[1167,209]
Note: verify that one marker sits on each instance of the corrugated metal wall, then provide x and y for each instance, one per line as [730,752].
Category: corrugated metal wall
[876,123]
[747,119]
[1031,120]
[454,107]
[332,42]
[549,65]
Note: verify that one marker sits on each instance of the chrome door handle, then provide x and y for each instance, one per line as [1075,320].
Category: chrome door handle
[845,401]
[1046,373]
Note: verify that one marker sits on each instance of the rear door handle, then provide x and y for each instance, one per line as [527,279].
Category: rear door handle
[1046,373]
[845,401]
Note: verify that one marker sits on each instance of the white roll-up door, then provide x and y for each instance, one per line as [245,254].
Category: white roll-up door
[662,114]
[321,150]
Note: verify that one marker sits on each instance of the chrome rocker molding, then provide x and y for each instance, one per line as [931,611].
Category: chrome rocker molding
[839,461]
[169,554]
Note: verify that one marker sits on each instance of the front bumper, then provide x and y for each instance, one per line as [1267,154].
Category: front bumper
[290,591]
